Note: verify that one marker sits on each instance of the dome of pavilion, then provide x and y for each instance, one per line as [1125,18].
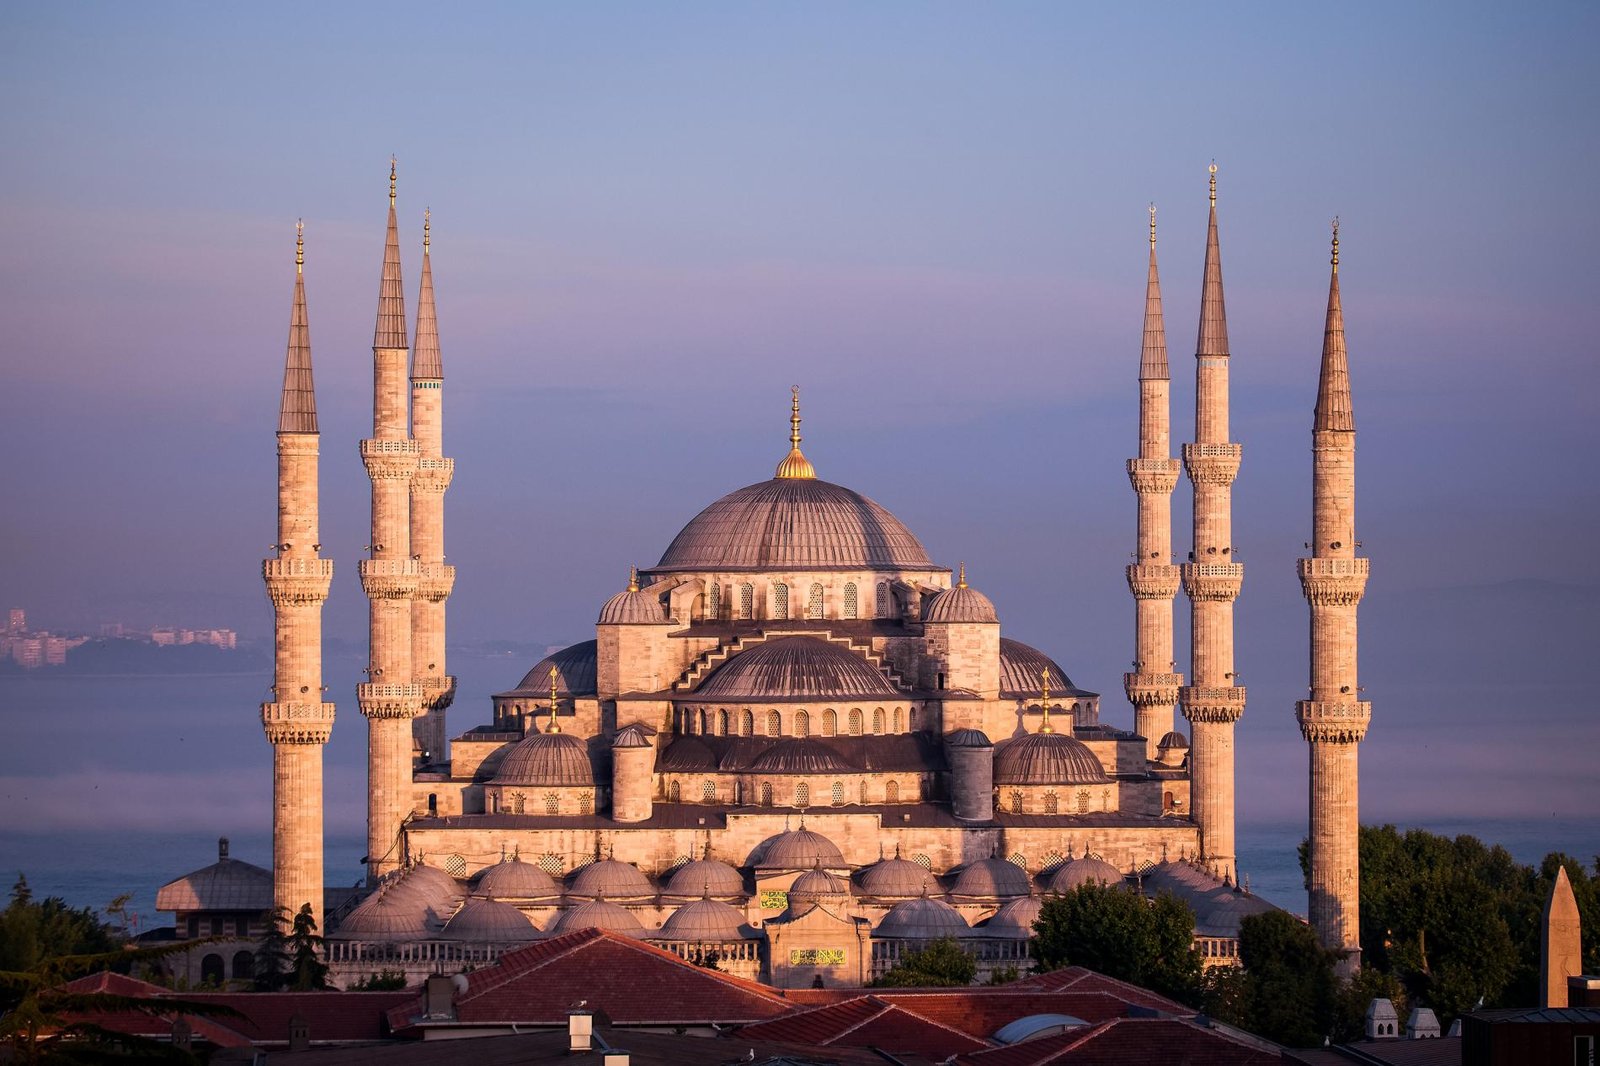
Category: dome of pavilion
[546,759]
[1084,871]
[990,879]
[1047,759]
[485,921]
[922,919]
[897,877]
[791,668]
[598,914]
[610,879]
[800,849]
[703,919]
[515,879]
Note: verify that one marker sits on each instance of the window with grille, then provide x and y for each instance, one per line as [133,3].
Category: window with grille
[1019,860]
[899,720]
[766,794]
[674,792]
[802,724]
[774,724]
[891,792]
[830,723]
[923,861]
[1083,802]
[516,803]
[551,804]
[1016,801]
[1051,803]
[838,793]
[747,600]
[714,601]
[705,722]
[747,724]
[802,795]
[780,600]
[884,602]
[877,722]
[551,864]
[814,605]
[850,604]
[722,723]
[708,791]
[855,723]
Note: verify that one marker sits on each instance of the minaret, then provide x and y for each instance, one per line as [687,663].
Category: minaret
[436,578]
[391,696]
[1213,701]
[1152,686]
[1335,718]
[297,721]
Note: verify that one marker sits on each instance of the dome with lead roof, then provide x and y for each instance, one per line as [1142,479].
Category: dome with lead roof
[1173,739]
[795,668]
[888,878]
[703,919]
[633,607]
[705,877]
[598,914]
[922,919]
[610,879]
[817,884]
[486,921]
[1047,759]
[990,879]
[1020,668]
[386,917]
[1015,919]
[799,755]
[1084,871]
[515,879]
[800,849]
[546,759]
[962,603]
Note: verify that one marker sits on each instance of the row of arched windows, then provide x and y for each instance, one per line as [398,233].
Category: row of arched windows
[1052,802]
[722,723]
[743,606]
[802,793]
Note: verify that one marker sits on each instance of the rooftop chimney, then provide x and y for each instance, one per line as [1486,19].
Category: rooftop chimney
[580,1030]
[222,848]
[299,1033]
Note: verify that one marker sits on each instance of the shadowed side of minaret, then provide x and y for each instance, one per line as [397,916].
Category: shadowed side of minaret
[297,721]
[1334,720]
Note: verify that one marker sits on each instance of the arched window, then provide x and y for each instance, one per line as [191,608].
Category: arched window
[722,723]
[1083,801]
[747,600]
[861,792]
[830,723]
[244,966]
[1052,804]
[851,607]
[586,803]
[747,724]
[838,793]
[802,724]
[885,602]
[855,722]
[433,803]
[1168,801]
[517,802]
[780,600]
[802,795]
[911,719]
[552,803]
[705,721]
[1105,799]
[708,791]
[211,970]
[877,722]
[1016,801]
[714,601]
[899,720]
[766,793]
[774,724]
[674,792]
[814,605]
[891,792]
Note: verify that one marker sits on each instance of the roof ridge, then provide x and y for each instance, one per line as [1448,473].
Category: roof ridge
[883,1008]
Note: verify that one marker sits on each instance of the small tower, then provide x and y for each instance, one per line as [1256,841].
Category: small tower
[297,721]
[962,633]
[1213,700]
[1560,943]
[435,577]
[633,760]
[1335,718]
[1152,685]
[631,653]
[971,756]
[391,697]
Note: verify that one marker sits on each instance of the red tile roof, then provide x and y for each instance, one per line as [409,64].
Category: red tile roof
[1078,979]
[331,1017]
[867,1021]
[1124,1041]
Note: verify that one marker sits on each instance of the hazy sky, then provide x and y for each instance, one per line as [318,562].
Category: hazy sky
[650,220]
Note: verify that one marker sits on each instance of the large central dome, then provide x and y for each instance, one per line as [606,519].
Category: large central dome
[795,524]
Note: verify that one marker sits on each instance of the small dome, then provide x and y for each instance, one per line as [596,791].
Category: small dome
[1174,739]
[1084,871]
[705,877]
[990,879]
[960,604]
[610,879]
[515,879]
[796,668]
[440,888]
[968,738]
[575,669]
[703,919]
[922,919]
[1015,919]
[799,755]
[485,921]
[897,877]
[816,884]
[800,849]
[1047,759]
[633,607]
[598,914]
[630,737]
[547,759]
[387,918]
[1020,667]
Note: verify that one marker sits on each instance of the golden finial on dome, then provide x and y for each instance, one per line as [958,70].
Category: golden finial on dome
[1044,701]
[393,163]
[1152,227]
[1213,183]
[299,245]
[961,582]
[554,727]
[633,579]
[795,464]
[1336,244]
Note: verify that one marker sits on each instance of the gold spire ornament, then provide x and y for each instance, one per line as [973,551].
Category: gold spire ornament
[795,465]
[1044,702]
[554,727]
[1213,183]
[961,582]
[1152,227]
[427,227]
[633,579]
[1336,244]
[300,246]
[393,163]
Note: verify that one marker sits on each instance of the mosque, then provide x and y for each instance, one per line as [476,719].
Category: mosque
[797,745]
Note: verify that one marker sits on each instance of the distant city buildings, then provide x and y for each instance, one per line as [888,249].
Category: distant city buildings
[31,649]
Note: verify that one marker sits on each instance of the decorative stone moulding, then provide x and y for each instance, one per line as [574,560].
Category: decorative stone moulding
[438,692]
[435,581]
[297,723]
[389,579]
[1153,475]
[390,459]
[1334,582]
[389,701]
[1213,581]
[1153,581]
[1203,703]
[1334,722]
[433,474]
[1152,690]
[297,582]
[1212,464]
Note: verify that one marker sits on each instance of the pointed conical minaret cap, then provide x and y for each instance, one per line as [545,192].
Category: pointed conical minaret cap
[1153,357]
[297,412]
[795,464]
[1334,410]
[426,363]
[1213,339]
[390,331]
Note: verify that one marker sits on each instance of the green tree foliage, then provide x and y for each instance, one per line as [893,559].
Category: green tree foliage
[942,964]
[381,981]
[1116,931]
[1368,984]
[33,931]
[290,956]
[1292,990]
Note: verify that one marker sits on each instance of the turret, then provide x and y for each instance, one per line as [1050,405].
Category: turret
[633,760]
[297,720]
[1152,685]
[971,757]
[435,577]
[631,643]
[1335,718]
[1214,699]
[963,639]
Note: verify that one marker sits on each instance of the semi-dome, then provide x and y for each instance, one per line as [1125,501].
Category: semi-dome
[548,760]
[962,603]
[575,673]
[439,887]
[703,919]
[632,606]
[386,917]
[632,736]
[1084,871]
[1015,919]
[897,877]
[515,879]
[1020,668]
[799,755]
[992,878]
[794,523]
[610,879]
[1173,739]
[818,884]
[800,849]
[487,921]
[922,919]
[1047,759]
[796,668]
[598,914]
[968,738]
[705,877]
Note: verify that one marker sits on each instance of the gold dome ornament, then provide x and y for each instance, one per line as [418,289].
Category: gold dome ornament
[795,465]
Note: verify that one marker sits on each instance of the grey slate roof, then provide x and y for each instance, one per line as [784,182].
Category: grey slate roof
[1153,356]
[426,362]
[390,330]
[1020,666]
[225,885]
[575,674]
[297,411]
[1334,410]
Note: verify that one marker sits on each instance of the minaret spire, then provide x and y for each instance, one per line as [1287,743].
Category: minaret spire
[1152,684]
[390,331]
[1335,718]
[297,411]
[1213,700]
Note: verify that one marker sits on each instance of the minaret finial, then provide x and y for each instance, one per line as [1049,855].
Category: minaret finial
[427,228]
[554,725]
[633,579]
[393,165]
[1044,701]
[1152,227]
[1336,244]
[299,246]
[1213,183]
[795,464]
[961,582]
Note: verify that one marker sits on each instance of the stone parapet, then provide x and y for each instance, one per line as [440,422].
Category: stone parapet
[1153,475]
[1152,690]
[433,474]
[1212,464]
[1213,581]
[390,459]
[1153,581]
[1334,582]
[1333,721]
[435,581]
[297,723]
[389,579]
[390,701]
[438,691]
[1206,703]
[297,582]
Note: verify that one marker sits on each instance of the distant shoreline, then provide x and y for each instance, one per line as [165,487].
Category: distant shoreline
[56,673]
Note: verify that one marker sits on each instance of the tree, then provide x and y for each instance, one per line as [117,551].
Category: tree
[1290,979]
[381,981]
[1119,933]
[941,964]
[1364,986]
[32,932]
[290,956]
